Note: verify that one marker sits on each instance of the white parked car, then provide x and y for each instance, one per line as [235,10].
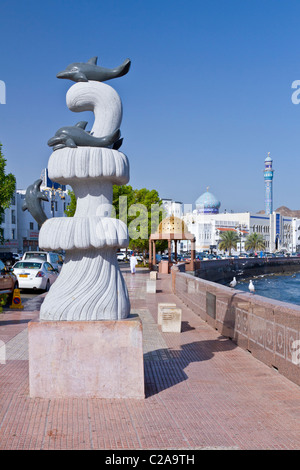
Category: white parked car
[35,274]
[50,256]
[121,256]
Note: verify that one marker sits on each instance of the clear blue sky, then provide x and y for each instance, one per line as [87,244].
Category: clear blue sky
[207,97]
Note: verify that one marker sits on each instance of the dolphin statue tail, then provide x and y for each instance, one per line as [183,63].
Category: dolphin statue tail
[117,144]
[122,69]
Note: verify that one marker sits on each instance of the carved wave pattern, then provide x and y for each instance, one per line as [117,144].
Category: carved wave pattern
[82,293]
[88,162]
[69,233]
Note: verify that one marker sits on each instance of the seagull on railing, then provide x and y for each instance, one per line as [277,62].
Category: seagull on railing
[251,287]
[233,283]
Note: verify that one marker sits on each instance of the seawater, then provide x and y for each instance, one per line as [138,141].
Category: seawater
[283,287]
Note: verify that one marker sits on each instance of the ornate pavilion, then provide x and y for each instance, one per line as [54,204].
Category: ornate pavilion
[170,228]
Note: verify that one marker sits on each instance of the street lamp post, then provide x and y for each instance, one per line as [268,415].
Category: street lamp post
[53,191]
[239,228]
[217,241]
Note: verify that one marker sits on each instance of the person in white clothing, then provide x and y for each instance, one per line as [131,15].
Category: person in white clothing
[133,263]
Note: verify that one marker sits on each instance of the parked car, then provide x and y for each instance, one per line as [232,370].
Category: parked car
[121,256]
[7,258]
[35,274]
[51,257]
[8,281]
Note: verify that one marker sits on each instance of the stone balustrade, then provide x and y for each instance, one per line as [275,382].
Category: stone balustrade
[267,328]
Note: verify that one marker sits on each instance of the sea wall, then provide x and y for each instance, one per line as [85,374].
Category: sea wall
[222,271]
[268,329]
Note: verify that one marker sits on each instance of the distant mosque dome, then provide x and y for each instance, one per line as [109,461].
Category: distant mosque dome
[207,203]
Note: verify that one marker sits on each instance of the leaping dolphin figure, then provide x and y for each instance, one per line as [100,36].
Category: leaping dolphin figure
[76,136]
[85,71]
[33,198]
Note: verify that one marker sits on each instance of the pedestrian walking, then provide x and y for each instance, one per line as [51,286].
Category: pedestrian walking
[133,263]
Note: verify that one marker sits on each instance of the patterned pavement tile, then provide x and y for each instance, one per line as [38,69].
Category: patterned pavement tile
[202,392]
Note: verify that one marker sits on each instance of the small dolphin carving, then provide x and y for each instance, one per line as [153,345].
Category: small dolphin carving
[76,136]
[85,71]
[32,202]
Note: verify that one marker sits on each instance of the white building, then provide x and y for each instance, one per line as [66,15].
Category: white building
[173,208]
[9,226]
[20,230]
[208,228]
[296,234]
[284,232]
[207,224]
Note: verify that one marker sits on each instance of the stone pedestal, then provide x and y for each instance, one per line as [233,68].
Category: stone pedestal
[171,320]
[102,359]
[163,267]
[161,307]
[151,286]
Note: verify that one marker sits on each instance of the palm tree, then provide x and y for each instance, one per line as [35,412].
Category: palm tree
[228,241]
[255,241]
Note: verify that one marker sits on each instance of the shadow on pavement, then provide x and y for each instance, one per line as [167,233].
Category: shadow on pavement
[165,368]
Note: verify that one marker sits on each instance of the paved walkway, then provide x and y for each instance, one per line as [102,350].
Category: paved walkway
[202,392]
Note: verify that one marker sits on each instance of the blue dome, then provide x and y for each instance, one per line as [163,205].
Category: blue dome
[268,158]
[207,203]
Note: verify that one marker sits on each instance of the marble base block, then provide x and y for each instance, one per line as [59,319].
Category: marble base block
[171,320]
[151,286]
[101,359]
[161,307]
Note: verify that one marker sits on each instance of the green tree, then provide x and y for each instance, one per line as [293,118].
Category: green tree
[71,208]
[254,241]
[7,189]
[228,241]
[140,209]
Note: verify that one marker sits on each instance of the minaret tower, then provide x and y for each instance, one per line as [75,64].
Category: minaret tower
[268,177]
